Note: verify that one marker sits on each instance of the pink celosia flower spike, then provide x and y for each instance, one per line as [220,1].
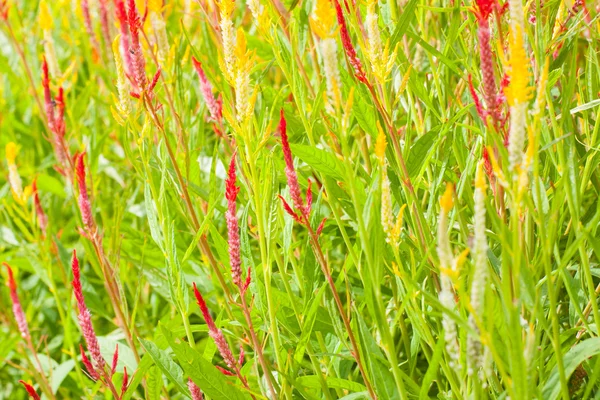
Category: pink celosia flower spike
[347,44]
[85,206]
[231,192]
[194,390]
[124,39]
[85,318]
[215,333]
[125,382]
[215,107]
[104,23]
[30,390]
[138,61]
[87,20]
[483,11]
[17,309]
[39,211]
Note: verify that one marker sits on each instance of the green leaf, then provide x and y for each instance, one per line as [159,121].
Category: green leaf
[404,22]
[321,160]
[575,356]
[312,382]
[203,373]
[167,365]
[419,152]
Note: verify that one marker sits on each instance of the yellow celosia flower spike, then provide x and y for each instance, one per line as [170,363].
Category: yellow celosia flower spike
[46,22]
[519,90]
[380,145]
[447,200]
[480,177]
[323,19]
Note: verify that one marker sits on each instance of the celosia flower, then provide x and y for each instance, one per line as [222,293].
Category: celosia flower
[292,178]
[226,8]
[88,364]
[46,24]
[55,116]
[123,105]
[16,305]
[4,9]
[85,319]
[14,179]
[115,360]
[87,21]
[124,37]
[379,56]
[322,20]
[194,390]
[328,48]
[447,269]
[159,28]
[215,333]
[39,211]
[125,382]
[137,55]
[518,94]
[244,59]
[256,9]
[104,24]
[478,285]
[231,192]
[215,107]
[83,200]
[347,43]
[30,390]
[483,11]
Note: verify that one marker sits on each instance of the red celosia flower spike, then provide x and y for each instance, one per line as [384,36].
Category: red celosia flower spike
[484,8]
[215,333]
[231,191]
[85,318]
[125,381]
[49,105]
[88,364]
[16,305]
[478,106]
[154,81]
[30,390]
[290,172]
[4,9]
[347,44]
[224,371]
[115,360]
[85,206]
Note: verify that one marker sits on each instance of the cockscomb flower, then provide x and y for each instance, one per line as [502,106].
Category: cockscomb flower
[381,60]
[4,9]
[85,319]
[518,94]
[194,390]
[83,200]
[328,48]
[322,20]
[46,24]
[30,390]
[39,211]
[244,59]
[447,265]
[55,110]
[123,105]
[347,44]
[215,333]
[292,178]
[16,305]
[104,24]
[137,56]
[256,9]
[14,179]
[517,15]
[231,192]
[228,39]
[124,38]
[215,107]
[480,275]
[490,92]
[159,27]
[87,21]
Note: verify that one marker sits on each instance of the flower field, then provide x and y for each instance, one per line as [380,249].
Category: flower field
[299,199]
